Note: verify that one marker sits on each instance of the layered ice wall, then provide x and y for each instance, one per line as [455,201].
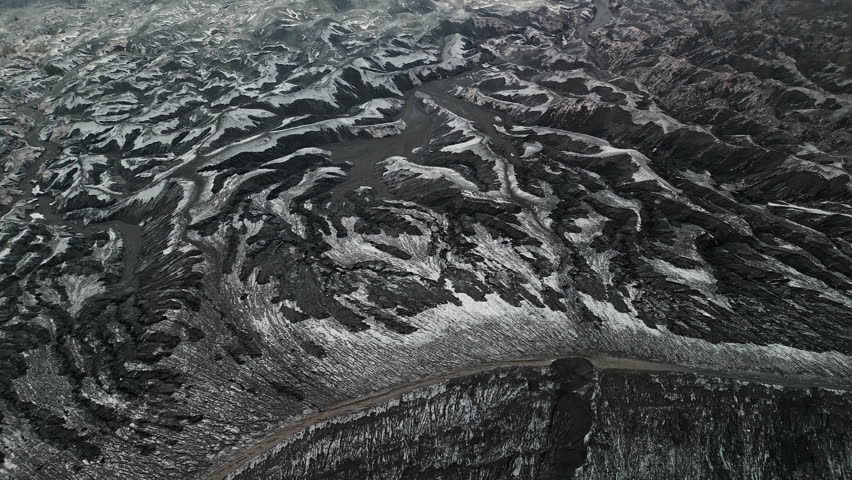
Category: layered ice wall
[571,421]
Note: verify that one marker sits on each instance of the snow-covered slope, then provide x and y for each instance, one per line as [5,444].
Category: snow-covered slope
[217,216]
